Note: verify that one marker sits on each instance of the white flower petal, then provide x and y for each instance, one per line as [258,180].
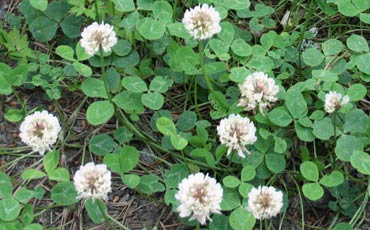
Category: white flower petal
[235,132]
[199,196]
[202,22]
[265,202]
[93,181]
[97,35]
[40,130]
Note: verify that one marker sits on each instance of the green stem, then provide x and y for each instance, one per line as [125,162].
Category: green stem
[335,127]
[104,77]
[105,215]
[196,97]
[197,226]
[117,222]
[201,57]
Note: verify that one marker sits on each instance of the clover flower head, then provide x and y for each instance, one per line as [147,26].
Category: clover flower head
[93,181]
[98,35]
[202,22]
[334,101]
[199,196]
[264,202]
[257,90]
[40,130]
[235,132]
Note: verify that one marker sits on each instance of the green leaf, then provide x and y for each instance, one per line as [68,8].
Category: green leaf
[309,171]
[5,87]
[248,173]
[231,182]
[313,191]
[152,29]
[356,92]
[219,222]
[160,84]
[27,214]
[241,48]
[162,11]
[59,174]
[131,180]
[361,161]
[178,142]
[357,43]
[122,48]
[93,87]
[346,146]
[177,29]
[134,84]
[99,112]
[124,5]
[23,195]
[102,144]
[343,226]
[174,175]
[9,209]
[33,227]
[128,158]
[83,69]
[65,52]
[365,18]
[186,121]
[94,211]
[303,133]
[280,145]
[334,179]
[296,103]
[324,75]
[39,4]
[64,193]
[14,115]
[130,102]
[6,186]
[166,126]
[112,161]
[280,116]
[241,219]
[81,53]
[323,129]
[51,161]
[153,100]
[355,121]
[312,57]
[123,135]
[150,184]
[31,174]
[230,200]
[238,74]
[71,26]
[332,47]
[244,189]
[275,162]
[43,29]
[236,4]
[362,62]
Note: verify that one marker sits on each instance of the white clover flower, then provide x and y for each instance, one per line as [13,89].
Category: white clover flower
[257,90]
[235,132]
[309,43]
[264,202]
[334,101]
[199,196]
[202,22]
[40,130]
[98,35]
[93,181]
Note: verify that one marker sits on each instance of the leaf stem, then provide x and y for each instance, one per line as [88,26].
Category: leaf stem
[201,58]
